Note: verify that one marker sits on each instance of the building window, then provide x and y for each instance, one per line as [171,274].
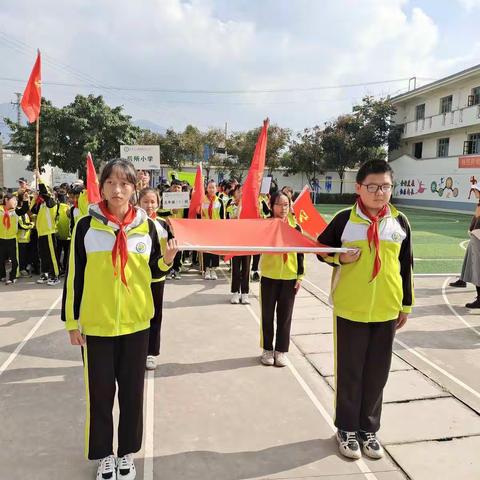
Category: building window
[442,147]
[420,112]
[417,149]
[472,145]
[446,104]
[474,98]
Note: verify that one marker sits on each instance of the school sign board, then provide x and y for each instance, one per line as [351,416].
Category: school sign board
[175,200]
[143,157]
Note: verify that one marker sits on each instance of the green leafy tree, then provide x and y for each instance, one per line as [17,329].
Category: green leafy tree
[68,133]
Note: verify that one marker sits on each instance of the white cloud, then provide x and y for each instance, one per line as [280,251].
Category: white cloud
[469,4]
[235,45]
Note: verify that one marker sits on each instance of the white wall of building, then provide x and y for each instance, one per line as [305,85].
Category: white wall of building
[434,183]
[15,166]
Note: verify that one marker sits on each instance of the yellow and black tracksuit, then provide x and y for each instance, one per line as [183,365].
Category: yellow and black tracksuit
[366,310]
[280,273]
[265,212]
[46,211]
[158,287]
[115,320]
[217,212]
[240,281]
[63,235]
[8,238]
[24,235]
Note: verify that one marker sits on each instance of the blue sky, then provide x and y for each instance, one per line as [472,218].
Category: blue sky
[239,45]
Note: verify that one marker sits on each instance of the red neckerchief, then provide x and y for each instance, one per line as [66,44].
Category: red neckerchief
[39,200]
[120,245]
[210,206]
[372,234]
[75,204]
[153,216]
[6,219]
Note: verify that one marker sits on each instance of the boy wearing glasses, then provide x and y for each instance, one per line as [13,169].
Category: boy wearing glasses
[372,295]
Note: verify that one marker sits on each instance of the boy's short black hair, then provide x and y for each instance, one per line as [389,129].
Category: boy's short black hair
[176,182]
[373,166]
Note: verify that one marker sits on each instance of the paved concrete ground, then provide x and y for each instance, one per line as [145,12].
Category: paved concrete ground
[213,412]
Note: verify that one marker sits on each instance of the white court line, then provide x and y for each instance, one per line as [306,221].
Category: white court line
[436,367]
[447,302]
[426,360]
[29,335]
[360,463]
[318,288]
[149,421]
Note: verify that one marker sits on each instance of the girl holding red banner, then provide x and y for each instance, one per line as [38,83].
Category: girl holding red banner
[280,281]
[107,306]
[212,208]
[240,284]
[149,200]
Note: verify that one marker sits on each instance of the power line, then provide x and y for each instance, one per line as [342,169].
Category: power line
[217,92]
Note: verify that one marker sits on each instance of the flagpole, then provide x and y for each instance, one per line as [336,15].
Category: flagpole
[37,147]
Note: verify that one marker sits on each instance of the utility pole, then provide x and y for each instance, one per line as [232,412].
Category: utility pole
[17,104]
[225,140]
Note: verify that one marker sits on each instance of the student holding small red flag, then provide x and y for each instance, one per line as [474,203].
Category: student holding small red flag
[372,293]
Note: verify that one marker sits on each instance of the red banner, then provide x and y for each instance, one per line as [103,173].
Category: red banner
[469,162]
[251,187]
[32,96]
[242,237]
[93,192]
[307,215]
[197,194]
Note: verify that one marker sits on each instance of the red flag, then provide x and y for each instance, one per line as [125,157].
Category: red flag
[251,187]
[32,96]
[93,192]
[197,194]
[243,237]
[307,215]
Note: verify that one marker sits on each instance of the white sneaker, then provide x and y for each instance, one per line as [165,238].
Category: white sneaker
[207,274]
[107,468]
[151,362]
[10,282]
[371,446]
[43,278]
[53,281]
[348,444]
[235,300]
[24,273]
[213,274]
[178,276]
[280,359]
[244,299]
[267,358]
[126,468]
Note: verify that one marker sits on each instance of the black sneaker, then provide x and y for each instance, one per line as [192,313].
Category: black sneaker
[43,278]
[348,444]
[370,444]
[474,304]
[458,283]
[255,276]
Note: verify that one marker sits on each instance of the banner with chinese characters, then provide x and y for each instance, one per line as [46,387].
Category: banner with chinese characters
[143,157]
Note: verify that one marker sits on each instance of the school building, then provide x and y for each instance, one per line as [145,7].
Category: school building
[439,156]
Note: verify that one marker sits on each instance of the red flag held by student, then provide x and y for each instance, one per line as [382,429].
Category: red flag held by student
[197,194]
[32,96]
[93,192]
[251,187]
[307,215]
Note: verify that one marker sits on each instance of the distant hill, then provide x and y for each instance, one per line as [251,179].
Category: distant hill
[8,110]
[147,124]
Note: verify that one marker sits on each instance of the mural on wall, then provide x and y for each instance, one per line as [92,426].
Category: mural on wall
[409,187]
[444,188]
[473,181]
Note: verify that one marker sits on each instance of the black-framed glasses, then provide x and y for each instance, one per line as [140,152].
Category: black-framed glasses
[374,188]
